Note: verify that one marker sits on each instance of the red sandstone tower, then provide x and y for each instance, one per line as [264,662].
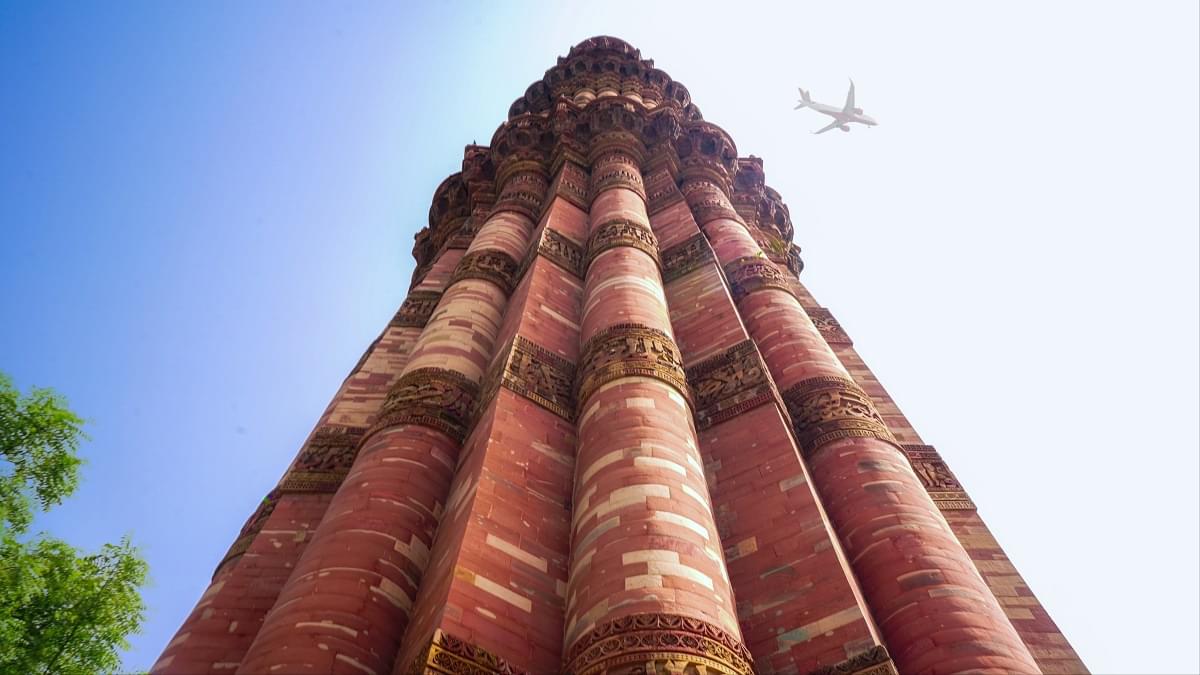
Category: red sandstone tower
[609,431]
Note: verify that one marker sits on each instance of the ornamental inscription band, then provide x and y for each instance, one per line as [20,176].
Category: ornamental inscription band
[526,368]
[825,409]
[642,641]
[685,257]
[752,273]
[729,384]
[417,309]
[437,398]
[626,350]
[497,267]
[449,655]
[621,232]
[324,461]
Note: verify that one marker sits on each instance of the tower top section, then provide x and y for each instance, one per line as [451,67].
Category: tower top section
[603,95]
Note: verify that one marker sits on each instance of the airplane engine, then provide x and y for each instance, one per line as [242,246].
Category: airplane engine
[844,127]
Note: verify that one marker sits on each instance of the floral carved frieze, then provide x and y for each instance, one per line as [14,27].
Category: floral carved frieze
[417,309]
[530,370]
[729,384]
[941,484]
[571,184]
[522,193]
[626,350]
[324,461]
[620,232]
[750,274]
[562,251]
[708,202]
[437,398]
[449,655]
[829,327]
[497,267]
[874,661]
[616,169]
[658,644]
[685,257]
[250,530]
[826,408]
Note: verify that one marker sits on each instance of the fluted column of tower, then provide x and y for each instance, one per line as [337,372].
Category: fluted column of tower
[935,611]
[647,583]
[249,577]
[347,604]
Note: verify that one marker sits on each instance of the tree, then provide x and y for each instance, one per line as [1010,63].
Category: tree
[61,611]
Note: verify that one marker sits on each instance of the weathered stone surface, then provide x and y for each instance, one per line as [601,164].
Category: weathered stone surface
[606,408]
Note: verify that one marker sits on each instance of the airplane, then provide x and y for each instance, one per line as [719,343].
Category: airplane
[842,117]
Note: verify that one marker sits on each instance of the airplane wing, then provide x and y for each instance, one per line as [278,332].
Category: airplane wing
[829,126]
[848,109]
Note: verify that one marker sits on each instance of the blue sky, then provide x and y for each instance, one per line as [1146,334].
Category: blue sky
[207,212]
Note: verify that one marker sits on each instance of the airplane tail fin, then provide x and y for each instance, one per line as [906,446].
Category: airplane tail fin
[805,101]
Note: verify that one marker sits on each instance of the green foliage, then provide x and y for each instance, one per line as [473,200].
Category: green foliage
[61,612]
[39,437]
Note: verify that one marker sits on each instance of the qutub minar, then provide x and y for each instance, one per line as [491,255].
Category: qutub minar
[609,431]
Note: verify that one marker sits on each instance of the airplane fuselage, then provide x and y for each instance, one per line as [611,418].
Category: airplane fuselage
[837,114]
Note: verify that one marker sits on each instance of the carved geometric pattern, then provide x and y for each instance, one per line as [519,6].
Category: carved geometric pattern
[629,349]
[324,461]
[662,193]
[523,193]
[708,202]
[658,644]
[250,530]
[685,257]
[825,409]
[561,251]
[497,267]
[941,484]
[437,398]
[417,309]
[616,169]
[534,372]
[448,655]
[729,384]
[752,273]
[874,661]
[830,329]
[571,184]
[621,232]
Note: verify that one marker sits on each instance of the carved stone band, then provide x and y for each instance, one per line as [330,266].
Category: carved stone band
[497,267]
[729,384]
[324,461]
[941,484]
[449,655]
[628,350]
[523,193]
[561,251]
[526,368]
[615,170]
[668,643]
[708,202]
[874,661]
[685,257]
[825,409]
[571,185]
[250,530]
[751,274]
[417,309]
[437,398]
[621,232]
[829,327]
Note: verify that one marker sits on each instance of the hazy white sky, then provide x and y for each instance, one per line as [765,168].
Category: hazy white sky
[217,203]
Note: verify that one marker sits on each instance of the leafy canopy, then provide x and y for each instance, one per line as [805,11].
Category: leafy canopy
[61,612]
